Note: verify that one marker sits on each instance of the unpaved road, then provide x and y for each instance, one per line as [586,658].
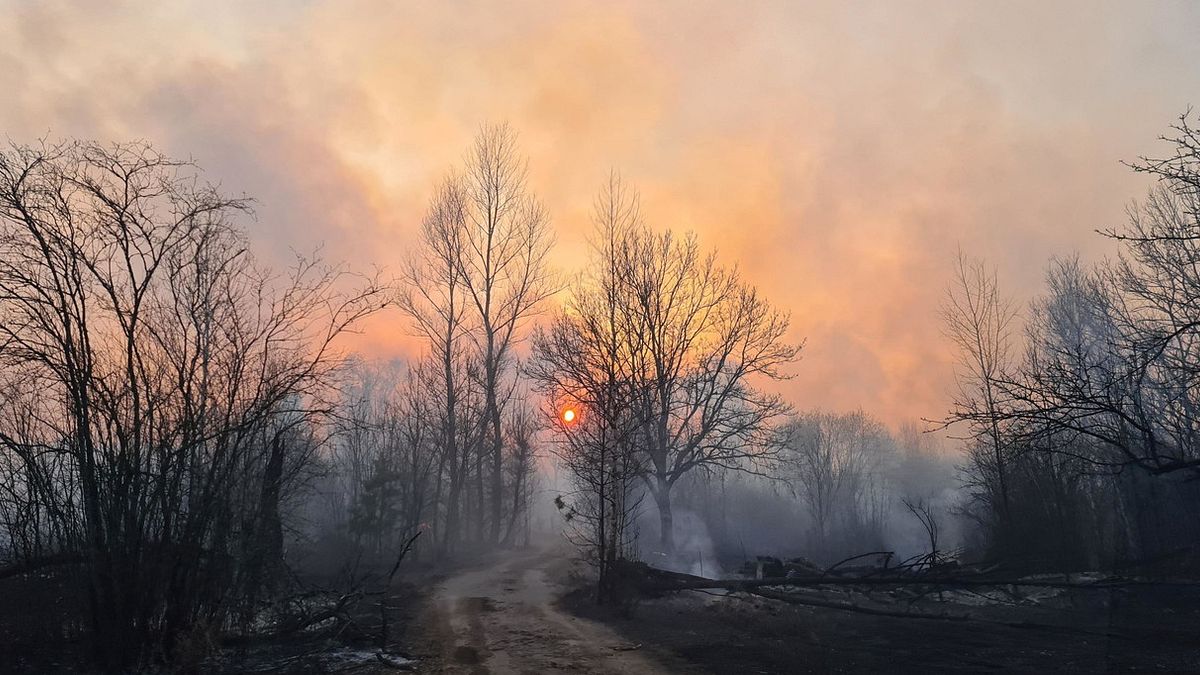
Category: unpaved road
[502,619]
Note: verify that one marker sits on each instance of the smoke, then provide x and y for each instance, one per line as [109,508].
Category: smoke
[732,518]
[833,150]
[694,552]
[908,538]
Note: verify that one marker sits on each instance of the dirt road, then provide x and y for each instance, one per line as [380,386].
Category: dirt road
[502,619]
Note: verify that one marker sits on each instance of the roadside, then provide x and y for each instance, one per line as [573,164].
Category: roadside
[742,633]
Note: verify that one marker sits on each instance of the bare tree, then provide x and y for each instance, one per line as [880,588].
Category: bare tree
[979,320]
[708,339]
[837,462]
[925,514]
[478,278]
[1115,356]
[1108,383]
[587,361]
[386,453]
[434,298]
[502,265]
[521,469]
[690,339]
[176,385]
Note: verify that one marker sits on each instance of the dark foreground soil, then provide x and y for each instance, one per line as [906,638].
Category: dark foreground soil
[1146,631]
[514,612]
[42,630]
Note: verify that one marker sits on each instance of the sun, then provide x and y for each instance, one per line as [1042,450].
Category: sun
[568,415]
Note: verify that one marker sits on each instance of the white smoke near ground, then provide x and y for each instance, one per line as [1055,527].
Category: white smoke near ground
[728,520]
[907,537]
[693,552]
[724,521]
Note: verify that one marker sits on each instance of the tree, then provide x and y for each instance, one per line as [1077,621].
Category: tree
[174,384]
[478,278]
[978,319]
[587,361]
[837,462]
[433,297]
[502,265]
[520,434]
[1100,416]
[708,338]
[690,340]
[1119,363]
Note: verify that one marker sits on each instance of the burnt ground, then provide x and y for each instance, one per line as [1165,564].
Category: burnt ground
[1147,630]
[516,612]
[42,630]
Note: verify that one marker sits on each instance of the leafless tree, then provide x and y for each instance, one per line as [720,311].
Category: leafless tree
[521,467]
[587,361]
[502,266]
[1114,357]
[836,462]
[434,298]
[176,386]
[1101,414]
[979,320]
[386,453]
[471,288]
[687,338]
[708,339]
[925,514]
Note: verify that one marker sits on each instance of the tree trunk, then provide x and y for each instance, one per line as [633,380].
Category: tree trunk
[497,469]
[480,511]
[666,519]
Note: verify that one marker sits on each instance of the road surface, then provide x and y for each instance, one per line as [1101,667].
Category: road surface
[502,619]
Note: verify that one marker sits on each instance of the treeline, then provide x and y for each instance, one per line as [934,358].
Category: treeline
[842,484]
[386,473]
[1084,445]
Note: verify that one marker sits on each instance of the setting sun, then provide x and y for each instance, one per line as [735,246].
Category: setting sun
[568,415]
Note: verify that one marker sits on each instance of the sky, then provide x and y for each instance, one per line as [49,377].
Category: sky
[839,153]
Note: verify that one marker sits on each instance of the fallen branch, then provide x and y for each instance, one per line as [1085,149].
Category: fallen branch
[851,607]
[887,556]
[383,606]
[961,582]
[662,581]
[795,599]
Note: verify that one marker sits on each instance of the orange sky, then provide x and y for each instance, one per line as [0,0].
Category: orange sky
[838,152]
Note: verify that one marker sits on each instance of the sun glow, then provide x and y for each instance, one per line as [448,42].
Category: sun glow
[568,416]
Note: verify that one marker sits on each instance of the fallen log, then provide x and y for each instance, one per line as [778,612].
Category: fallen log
[797,599]
[656,580]
[851,607]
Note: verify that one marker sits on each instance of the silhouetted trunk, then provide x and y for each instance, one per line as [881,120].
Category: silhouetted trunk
[666,519]
[497,462]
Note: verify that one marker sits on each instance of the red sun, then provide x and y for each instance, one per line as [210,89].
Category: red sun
[568,416]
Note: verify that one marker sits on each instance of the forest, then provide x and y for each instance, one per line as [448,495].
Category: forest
[194,470]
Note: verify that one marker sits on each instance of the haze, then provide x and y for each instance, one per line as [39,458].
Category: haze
[839,153]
